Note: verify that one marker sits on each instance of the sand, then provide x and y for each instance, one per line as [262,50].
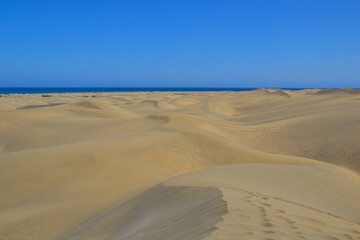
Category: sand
[263,164]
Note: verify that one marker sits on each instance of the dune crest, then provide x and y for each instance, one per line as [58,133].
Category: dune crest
[262,205]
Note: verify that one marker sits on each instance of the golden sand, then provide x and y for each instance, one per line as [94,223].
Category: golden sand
[264,164]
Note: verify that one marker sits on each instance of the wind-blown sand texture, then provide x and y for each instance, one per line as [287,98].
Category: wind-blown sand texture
[263,164]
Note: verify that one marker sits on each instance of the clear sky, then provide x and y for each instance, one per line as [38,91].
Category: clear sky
[180,43]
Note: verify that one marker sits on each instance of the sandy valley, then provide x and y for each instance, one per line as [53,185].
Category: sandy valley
[263,164]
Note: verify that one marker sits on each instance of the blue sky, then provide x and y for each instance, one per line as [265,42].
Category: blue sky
[180,43]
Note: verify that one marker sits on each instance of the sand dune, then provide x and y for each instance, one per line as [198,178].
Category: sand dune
[342,90]
[261,204]
[74,166]
[193,210]
[243,201]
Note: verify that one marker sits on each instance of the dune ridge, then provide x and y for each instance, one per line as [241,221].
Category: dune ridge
[269,163]
[262,205]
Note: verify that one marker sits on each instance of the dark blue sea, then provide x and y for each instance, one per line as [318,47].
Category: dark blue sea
[18,90]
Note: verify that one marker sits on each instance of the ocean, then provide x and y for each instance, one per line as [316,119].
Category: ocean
[20,90]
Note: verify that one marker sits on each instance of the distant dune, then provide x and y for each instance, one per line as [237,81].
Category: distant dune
[263,164]
[341,90]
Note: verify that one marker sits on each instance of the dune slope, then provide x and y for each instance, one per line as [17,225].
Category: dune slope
[163,212]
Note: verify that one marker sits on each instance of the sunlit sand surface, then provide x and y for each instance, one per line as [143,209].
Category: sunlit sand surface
[264,164]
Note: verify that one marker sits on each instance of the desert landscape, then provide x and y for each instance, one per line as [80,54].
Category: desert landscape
[262,164]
